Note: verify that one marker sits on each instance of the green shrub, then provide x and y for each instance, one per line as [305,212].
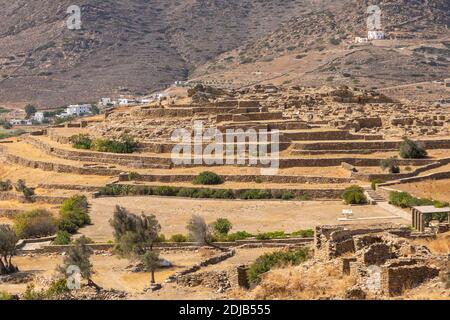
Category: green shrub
[258,180]
[308,233]
[375,183]
[240,235]
[126,144]
[74,214]
[67,226]
[405,200]
[254,194]
[276,259]
[354,195]
[411,150]
[208,178]
[56,289]
[5,296]
[81,141]
[222,226]
[287,195]
[6,185]
[178,238]
[62,238]
[165,191]
[271,235]
[133,176]
[304,197]
[391,164]
[34,224]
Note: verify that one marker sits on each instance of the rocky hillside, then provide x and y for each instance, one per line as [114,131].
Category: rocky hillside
[132,47]
[128,46]
[317,47]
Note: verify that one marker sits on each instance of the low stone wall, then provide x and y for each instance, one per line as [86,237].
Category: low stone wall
[392,176]
[369,145]
[70,187]
[9,196]
[235,178]
[431,176]
[50,166]
[394,280]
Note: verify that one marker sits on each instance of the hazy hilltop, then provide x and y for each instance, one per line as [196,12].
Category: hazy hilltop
[317,47]
[138,46]
[132,46]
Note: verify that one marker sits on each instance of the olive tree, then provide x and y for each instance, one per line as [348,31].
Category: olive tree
[8,242]
[79,255]
[136,236]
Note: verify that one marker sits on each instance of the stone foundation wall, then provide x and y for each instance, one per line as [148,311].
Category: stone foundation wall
[394,280]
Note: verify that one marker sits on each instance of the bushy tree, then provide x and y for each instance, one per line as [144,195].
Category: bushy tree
[30,110]
[79,255]
[8,242]
[411,150]
[222,226]
[199,230]
[136,236]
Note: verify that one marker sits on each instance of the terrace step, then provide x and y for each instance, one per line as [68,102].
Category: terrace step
[373,197]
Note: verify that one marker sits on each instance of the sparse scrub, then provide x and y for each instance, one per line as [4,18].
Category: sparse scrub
[34,224]
[411,150]
[179,238]
[391,165]
[276,259]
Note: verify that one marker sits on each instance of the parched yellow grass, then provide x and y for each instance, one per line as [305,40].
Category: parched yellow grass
[295,283]
[441,245]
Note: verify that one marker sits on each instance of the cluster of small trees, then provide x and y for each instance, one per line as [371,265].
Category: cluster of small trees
[125,144]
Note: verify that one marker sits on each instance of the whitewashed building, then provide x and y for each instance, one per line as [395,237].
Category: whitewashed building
[106,101]
[39,117]
[78,109]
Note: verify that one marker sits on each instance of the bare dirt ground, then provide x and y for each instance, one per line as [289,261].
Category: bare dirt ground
[110,271]
[251,216]
[433,189]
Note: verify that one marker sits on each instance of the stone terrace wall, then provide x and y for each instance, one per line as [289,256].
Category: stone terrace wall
[237,178]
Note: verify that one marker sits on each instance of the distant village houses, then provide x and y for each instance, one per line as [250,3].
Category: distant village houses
[76,110]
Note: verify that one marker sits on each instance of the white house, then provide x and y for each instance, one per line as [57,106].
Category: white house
[123,102]
[78,109]
[20,122]
[16,122]
[39,117]
[375,35]
[106,101]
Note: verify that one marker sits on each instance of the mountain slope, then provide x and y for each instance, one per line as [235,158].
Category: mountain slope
[130,46]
